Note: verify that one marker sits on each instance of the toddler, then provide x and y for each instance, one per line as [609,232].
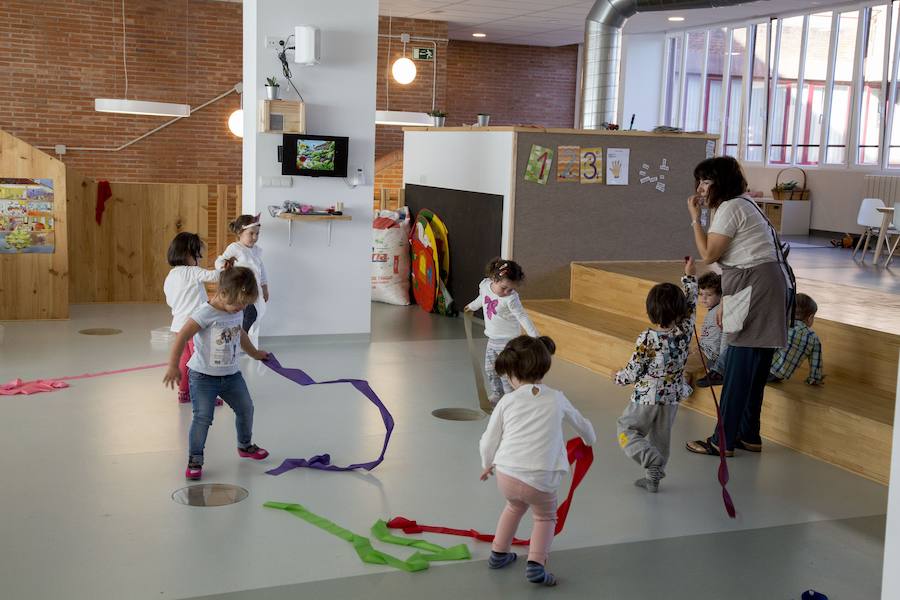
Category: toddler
[245,253]
[802,343]
[213,370]
[657,371]
[713,342]
[524,441]
[503,316]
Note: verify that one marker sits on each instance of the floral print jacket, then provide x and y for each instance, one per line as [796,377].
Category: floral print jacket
[657,366]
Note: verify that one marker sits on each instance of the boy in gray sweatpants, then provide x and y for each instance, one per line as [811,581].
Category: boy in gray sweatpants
[656,369]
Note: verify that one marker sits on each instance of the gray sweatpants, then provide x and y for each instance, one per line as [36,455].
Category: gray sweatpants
[644,433]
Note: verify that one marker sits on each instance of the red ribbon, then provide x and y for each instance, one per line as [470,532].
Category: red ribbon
[581,455]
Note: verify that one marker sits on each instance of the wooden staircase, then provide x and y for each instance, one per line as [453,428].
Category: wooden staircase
[847,422]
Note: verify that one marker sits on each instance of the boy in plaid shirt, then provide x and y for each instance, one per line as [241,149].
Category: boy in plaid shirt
[803,343]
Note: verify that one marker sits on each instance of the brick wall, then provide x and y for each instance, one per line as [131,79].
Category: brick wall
[56,56]
[389,176]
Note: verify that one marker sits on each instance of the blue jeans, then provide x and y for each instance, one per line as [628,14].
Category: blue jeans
[204,389]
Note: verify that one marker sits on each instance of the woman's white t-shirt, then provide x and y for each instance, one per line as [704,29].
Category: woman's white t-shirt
[752,243]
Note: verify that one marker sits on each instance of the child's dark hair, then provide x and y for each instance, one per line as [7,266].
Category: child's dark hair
[526,358]
[237,285]
[804,307]
[666,304]
[499,269]
[237,226]
[710,281]
[184,245]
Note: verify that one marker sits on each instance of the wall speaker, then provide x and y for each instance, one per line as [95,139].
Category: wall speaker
[307,44]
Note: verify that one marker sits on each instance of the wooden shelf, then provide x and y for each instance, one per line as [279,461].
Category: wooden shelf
[296,217]
[282,116]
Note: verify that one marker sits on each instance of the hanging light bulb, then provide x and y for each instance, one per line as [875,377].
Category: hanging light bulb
[236,122]
[403,69]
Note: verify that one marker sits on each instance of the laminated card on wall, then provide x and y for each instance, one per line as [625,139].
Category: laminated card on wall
[539,163]
[592,165]
[568,165]
[617,166]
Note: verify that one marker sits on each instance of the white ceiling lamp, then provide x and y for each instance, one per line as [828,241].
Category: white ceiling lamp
[676,19]
[139,107]
[479,35]
[403,69]
[402,117]
[236,119]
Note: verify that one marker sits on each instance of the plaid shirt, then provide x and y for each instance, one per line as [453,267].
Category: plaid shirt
[802,343]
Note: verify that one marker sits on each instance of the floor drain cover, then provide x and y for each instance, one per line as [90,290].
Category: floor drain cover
[458,414]
[210,494]
[100,331]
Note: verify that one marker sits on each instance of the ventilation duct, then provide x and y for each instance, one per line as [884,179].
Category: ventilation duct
[603,51]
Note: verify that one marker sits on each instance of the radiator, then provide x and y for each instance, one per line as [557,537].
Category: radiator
[883,186]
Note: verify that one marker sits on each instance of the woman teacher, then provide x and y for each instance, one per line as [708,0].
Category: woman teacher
[758,290]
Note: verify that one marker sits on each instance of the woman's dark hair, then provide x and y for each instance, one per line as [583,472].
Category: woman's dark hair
[526,358]
[727,178]
[710,281]
[804,307]
[237,285]
[666,304]
[499,269]
[183,246]
[237,226]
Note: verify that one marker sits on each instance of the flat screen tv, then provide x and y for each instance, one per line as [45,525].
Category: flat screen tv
[314,155]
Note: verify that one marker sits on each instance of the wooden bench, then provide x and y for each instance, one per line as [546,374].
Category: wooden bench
[847,422]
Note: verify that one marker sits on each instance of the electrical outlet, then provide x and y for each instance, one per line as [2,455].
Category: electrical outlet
[272,41]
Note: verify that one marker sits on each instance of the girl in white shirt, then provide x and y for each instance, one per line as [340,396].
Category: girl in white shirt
[245,253]
[185,293]
[504,317]
[524,442]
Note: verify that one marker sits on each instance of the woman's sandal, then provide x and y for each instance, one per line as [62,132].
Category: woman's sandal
[706,447]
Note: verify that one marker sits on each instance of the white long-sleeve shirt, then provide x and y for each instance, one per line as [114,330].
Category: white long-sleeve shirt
[185,292]
[246,257]
[524,437]
[503,315]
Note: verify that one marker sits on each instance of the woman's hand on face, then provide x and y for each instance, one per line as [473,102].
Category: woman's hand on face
[693,205]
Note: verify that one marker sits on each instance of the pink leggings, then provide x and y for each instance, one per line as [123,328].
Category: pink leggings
[519,497]
[183,385]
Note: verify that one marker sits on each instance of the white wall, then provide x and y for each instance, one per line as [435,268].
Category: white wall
[891,578]
[315,289]
[472,161]
[641,78]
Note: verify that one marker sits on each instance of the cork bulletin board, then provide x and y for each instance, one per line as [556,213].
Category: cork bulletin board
[565,221]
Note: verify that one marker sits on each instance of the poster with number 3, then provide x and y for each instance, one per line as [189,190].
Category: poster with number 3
[539,162]
[617,166]
[592,165]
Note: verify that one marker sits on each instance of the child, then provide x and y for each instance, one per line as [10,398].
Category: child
[524,441]
[185,293]
[802,343]
[712,340]
[657,371]
[245,253]
[213,370]
[503,314]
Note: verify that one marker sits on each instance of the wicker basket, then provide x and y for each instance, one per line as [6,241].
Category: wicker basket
[798,193]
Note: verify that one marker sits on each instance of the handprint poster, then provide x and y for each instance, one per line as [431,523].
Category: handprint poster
[617,166]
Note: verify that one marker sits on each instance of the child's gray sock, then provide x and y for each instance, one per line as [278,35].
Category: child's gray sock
[536,573]
[499,560]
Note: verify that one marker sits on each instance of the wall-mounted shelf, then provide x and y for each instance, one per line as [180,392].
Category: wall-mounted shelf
[291,217]
[282,116]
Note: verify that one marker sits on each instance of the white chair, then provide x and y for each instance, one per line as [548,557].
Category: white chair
[895,231]
[868,217]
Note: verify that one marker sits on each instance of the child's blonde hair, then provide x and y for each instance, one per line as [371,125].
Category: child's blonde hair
[237,285]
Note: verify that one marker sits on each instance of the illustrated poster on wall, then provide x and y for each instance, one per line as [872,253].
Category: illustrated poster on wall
[539,164]
[592,165]
[26,216]
[568,163]
[617,166]
[710,148]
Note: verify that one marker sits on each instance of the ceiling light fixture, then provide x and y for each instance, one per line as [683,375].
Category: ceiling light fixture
[139,107]
[403,69]
[236,119]
[402,117]
[479,35]
[676,19]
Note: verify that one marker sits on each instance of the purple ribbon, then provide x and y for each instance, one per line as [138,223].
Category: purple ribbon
[323,461]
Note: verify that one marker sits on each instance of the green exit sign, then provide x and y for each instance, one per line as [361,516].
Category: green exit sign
[423,53]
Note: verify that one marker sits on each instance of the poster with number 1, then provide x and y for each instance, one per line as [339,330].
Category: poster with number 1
[539,162]
[592,165]
[617,166]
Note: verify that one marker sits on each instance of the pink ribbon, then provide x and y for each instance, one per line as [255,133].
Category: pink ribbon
[17,386]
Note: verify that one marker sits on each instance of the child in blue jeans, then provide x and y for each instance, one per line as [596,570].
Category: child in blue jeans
[213,370]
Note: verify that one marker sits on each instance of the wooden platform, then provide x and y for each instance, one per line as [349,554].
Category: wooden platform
[847,422]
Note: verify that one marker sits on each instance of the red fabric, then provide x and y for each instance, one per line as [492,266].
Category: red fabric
[580,455]
[18,386]
[104,192]
[384,223]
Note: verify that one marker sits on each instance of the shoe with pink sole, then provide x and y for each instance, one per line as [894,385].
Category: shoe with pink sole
[193,471]
[253,451]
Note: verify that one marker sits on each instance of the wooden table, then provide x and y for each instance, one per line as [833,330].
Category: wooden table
[887,216]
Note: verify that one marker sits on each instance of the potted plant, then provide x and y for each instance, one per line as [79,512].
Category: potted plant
[272,88]
[439,116]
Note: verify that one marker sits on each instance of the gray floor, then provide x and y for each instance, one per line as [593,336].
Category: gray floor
[814,258]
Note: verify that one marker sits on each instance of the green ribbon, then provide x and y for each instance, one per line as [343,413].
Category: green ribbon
[417,562]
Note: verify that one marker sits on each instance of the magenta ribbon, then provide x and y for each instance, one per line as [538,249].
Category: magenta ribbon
[323,461]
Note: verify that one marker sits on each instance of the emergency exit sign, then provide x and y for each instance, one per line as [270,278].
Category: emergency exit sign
[423,53]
